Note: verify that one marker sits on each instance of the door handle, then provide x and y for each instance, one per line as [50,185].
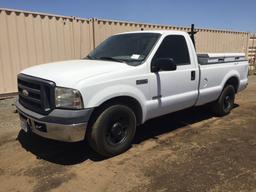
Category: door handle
[193,75]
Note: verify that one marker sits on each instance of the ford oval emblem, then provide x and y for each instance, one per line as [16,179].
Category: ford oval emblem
[25,92]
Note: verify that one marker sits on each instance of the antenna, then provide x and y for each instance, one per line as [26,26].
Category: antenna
[192,34]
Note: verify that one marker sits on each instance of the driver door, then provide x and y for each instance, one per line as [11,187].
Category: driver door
[177,89]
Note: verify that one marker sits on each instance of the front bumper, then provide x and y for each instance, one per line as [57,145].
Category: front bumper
[61,125]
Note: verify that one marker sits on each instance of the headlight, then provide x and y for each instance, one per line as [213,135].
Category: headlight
[68,98]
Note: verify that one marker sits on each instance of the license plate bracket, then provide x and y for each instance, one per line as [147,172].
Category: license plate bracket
[24,123]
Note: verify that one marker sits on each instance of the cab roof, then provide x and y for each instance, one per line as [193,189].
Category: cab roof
[162,32]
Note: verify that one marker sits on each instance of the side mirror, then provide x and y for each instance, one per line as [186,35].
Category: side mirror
[163,64]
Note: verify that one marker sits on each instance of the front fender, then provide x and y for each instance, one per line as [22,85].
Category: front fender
[111,92]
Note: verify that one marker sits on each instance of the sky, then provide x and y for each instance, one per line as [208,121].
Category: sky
[236,15]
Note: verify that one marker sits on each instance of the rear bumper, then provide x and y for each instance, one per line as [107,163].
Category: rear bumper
[243,84]
[61,125]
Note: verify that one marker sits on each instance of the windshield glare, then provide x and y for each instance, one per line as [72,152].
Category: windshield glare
[132,48]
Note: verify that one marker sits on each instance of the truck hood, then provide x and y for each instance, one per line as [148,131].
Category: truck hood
[68,73]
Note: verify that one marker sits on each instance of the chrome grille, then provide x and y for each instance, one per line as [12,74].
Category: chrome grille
[36,94]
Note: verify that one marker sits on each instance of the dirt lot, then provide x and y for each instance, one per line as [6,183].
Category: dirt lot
[186,151]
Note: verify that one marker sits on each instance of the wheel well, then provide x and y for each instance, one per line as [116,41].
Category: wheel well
[125,100]
[234,82]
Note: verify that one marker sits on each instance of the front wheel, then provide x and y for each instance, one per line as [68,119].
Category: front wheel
[113,131]
[225,103]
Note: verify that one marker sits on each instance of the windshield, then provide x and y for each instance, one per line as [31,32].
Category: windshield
[132,48]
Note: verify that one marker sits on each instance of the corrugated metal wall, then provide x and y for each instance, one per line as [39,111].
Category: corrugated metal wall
[207,40]
[28,39]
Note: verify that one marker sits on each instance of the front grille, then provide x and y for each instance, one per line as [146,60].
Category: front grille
[36,94]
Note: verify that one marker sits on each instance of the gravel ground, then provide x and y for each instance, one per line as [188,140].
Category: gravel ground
[189,150]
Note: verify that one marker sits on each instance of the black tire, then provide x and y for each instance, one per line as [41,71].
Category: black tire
[225,103]
[113,131]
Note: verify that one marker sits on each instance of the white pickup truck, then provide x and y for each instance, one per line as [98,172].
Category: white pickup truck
[128,79]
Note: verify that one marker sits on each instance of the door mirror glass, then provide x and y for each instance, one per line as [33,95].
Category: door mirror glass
[163,64]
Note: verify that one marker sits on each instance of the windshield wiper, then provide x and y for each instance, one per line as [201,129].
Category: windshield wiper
[89,57]
[111,59]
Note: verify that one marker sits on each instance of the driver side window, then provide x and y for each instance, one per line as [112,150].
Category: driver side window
[174,47]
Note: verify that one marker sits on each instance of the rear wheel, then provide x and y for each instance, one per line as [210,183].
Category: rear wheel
[225,103]
[113,131]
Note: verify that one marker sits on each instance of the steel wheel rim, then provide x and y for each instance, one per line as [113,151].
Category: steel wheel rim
[227,103]
[117,132]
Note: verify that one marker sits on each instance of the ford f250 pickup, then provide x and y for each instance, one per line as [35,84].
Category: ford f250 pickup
[126,80]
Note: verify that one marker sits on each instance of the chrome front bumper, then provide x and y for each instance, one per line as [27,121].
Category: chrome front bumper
[60,132]
[68,132]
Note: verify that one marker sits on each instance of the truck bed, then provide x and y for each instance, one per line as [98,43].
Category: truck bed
[214,72]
